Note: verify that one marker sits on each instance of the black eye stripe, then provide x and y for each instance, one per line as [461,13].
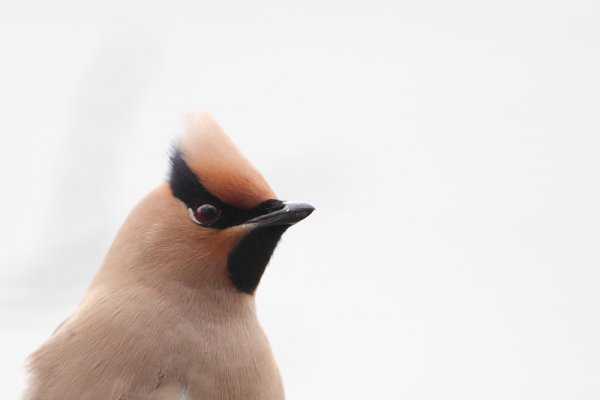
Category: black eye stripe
[186,186]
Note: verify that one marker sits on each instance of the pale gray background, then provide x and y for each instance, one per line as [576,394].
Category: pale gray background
[452,150]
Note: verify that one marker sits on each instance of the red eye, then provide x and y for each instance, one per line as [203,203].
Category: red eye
[207,213]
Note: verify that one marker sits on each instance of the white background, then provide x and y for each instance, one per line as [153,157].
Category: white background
[452,150]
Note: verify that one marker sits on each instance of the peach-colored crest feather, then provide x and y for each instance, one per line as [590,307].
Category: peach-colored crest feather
[220,165]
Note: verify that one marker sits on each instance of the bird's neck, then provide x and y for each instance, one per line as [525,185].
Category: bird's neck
[152,254]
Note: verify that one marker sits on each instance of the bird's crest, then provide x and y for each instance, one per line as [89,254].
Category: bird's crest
[219,165]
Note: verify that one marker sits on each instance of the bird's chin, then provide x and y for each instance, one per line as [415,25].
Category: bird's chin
[249,258]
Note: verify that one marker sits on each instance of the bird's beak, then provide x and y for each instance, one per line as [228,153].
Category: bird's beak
[291,213]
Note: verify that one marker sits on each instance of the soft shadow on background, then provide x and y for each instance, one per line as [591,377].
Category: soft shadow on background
[452,150]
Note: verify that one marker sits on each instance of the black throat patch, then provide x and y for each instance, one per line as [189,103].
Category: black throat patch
[248,260]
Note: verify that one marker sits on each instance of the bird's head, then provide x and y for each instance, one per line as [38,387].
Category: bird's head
[217,221]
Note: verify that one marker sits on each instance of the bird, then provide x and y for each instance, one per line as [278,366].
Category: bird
[171,314]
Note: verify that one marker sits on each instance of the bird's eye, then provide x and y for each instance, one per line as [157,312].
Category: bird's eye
[207,214]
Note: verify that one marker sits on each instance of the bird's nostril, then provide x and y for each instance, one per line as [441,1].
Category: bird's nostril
[273,205]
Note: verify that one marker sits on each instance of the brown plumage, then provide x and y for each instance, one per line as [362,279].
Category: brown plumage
[171,312]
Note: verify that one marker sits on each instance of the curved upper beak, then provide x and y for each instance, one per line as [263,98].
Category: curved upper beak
[289,214]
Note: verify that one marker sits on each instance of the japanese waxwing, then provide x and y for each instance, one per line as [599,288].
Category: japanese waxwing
[171,312]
